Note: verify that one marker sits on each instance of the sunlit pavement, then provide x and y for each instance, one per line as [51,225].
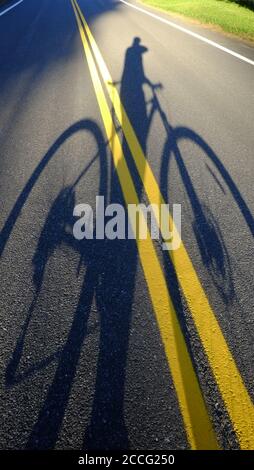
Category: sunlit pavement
[119,344]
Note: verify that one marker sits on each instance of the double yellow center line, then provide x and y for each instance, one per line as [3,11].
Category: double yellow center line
[196,419]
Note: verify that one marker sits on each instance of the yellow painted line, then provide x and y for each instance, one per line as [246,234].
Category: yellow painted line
[195,416]
[232,388]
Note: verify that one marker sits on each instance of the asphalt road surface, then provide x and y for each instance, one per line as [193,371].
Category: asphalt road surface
[118,344]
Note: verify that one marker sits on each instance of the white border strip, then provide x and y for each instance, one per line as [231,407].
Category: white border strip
[11,7]
[191,33]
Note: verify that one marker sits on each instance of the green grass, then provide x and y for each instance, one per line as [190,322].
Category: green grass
[228,15]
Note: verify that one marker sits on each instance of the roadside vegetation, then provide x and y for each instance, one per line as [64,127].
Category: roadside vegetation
[235,17]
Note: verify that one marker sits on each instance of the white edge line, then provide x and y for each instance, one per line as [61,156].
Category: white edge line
[191,33]
[11,7]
